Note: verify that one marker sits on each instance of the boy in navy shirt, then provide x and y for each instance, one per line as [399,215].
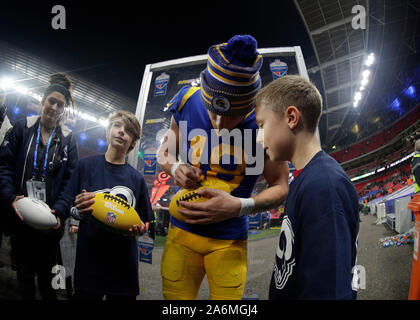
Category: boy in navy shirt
[107,262]
[318,240]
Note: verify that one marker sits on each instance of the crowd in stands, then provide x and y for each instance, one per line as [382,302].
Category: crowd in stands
[389,180]
[377,140]
[382,160]
[386,184]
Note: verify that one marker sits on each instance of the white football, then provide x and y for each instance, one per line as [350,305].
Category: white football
[36,213]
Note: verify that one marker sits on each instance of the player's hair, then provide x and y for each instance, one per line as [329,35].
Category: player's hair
[131,123]
[295,91]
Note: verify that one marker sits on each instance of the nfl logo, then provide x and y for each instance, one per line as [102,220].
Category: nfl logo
[145,246]
[110,218]
[250,295]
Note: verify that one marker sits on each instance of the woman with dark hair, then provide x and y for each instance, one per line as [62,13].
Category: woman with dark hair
[36,160]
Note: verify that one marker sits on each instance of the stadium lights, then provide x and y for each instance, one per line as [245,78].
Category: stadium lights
[366,74]
[363,176]
[396,104]
[364,79]
[36,96]
[370,60]
[101,143]
[357,98]
[83,136]
[21,90]
[410,91]
[16,110]
[383,168]
[8,83]
[104,122]
[87,116]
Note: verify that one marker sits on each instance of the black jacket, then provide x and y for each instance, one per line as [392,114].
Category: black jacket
[14,153]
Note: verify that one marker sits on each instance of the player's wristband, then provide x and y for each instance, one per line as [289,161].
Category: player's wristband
[174,167]
[247,206]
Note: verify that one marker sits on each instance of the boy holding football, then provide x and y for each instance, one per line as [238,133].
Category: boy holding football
[107,262]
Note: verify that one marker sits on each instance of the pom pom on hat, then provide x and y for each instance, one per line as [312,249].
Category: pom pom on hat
[241,50]
[231,80]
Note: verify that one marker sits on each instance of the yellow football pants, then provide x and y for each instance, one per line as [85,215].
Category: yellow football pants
[187,257]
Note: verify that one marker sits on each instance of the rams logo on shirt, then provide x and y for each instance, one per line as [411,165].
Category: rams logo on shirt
[285,258]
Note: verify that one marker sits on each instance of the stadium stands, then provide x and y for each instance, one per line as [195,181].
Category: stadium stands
[385,183]
[380,150]
[379,162]
[377,140]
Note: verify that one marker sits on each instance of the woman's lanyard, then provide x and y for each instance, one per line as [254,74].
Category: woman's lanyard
[44,168]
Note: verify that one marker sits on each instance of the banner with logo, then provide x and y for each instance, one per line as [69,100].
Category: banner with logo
[161,84]
[250,295]
[149,164]
[278,69]
[145,245]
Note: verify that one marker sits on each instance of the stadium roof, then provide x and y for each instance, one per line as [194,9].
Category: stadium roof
[391,33]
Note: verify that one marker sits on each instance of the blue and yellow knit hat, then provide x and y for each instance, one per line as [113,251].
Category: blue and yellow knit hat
[231,80]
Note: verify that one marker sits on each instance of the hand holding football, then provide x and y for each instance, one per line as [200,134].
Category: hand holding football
[114,213]
[36,213]
[190,195]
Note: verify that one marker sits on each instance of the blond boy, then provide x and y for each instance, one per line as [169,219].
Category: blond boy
[318,240]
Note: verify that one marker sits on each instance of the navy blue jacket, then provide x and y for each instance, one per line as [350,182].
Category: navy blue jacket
[318,241]
[14,152]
